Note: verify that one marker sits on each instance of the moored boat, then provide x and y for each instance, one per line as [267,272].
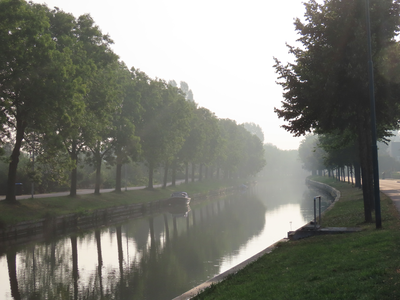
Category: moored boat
[179,198]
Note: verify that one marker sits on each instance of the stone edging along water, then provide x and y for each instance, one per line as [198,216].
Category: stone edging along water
[198,289]
[327,188]
[37,230]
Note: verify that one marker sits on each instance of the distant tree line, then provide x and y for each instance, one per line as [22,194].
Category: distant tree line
[65,97]
[320,158]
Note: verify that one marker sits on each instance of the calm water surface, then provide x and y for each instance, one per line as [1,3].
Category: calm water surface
[159,256]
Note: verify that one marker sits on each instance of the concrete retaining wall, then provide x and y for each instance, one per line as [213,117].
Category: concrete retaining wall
[327,188]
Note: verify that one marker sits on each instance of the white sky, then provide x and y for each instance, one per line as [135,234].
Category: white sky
[223,49]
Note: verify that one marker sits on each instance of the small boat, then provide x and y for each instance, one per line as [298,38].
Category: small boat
[179,198]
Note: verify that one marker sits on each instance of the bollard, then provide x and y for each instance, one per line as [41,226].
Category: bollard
[315,211]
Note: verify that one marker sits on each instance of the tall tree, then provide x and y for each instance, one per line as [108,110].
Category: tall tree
[255,129]
[93,60]
[34,76]
[163,125]
[102,109]
[126,142]
[311,154]
[253,156]
[326,89]
[186,91]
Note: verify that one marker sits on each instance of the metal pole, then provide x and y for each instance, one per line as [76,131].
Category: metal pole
[126,179]
[33,172]
[315,213]
[319,220]
[374,147]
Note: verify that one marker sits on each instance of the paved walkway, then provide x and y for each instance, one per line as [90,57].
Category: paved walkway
[85,191]
[391,187]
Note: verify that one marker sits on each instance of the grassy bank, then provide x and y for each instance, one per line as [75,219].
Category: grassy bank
[362,265]
[37,208]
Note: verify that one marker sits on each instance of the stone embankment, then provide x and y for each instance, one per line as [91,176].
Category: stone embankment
[327,188]
[313,228]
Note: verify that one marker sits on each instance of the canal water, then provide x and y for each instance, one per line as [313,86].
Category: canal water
[158,256]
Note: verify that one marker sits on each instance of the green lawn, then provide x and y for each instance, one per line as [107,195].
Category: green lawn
[37,208]
[362,265]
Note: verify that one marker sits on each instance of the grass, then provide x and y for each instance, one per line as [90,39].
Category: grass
[362,265]
[37,208]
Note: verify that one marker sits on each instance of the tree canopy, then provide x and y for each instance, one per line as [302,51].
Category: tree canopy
[66,98]
[326,88]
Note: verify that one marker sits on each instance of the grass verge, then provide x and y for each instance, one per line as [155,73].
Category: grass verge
[37,208]
[362,265]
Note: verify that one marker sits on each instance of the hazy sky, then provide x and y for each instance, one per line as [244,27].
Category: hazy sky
[223,49]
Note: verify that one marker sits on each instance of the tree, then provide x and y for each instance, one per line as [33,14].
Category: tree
[93,61]
[340,151]
[186,91]
[210,136]
[311,154]
[126,143]
[326,89]
[104,104]
[254,160]
[34,76]
[191,149]
[163,124]
[233,147]
[255,129]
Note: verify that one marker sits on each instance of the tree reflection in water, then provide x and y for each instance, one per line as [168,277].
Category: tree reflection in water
[141,258]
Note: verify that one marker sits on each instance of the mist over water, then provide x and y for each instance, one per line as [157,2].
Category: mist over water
[162,255]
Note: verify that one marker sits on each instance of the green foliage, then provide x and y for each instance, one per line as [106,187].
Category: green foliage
[65,96]
[326,89]
[311,154]
[255,129]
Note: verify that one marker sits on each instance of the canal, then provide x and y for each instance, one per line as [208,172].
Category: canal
[158,256]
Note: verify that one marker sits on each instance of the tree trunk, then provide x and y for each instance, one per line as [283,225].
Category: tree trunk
[98,175]
[118,171]
[13,166]
[193,169]
[151,173]
[118,178]
[201,172]
[74,171]
[173,175]
[364,173]
[186,172]
[357,175]
[166,166]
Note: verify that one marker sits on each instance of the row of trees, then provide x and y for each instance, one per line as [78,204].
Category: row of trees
[65,93]
[326,88]
[318,157]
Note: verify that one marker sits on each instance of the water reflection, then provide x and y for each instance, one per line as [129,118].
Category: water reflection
[155,257]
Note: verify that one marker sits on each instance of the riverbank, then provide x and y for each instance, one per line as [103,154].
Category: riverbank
[361,265]
[50,207]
